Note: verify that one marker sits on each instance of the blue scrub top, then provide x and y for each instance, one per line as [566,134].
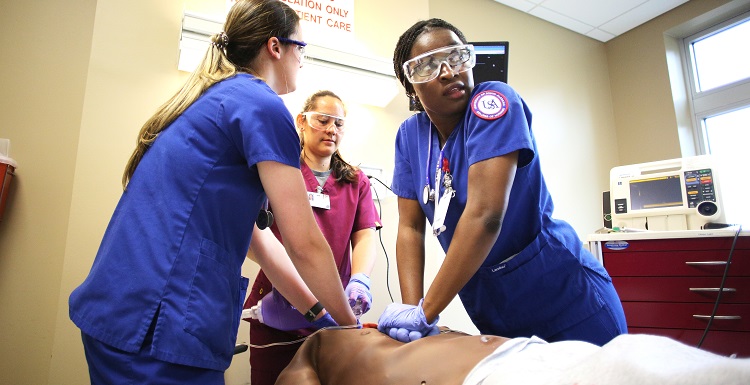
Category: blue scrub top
[534,280]
[173,249]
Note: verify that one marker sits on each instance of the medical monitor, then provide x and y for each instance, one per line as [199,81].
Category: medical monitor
[676,194]
[492,61]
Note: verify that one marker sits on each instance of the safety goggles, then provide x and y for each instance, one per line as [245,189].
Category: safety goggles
[300,46]
[425,67]
[323,122]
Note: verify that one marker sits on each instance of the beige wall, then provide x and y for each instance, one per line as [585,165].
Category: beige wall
[45,57]
[651,114]
[80,77]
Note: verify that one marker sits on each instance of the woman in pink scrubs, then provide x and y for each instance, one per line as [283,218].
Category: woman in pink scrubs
[343,207]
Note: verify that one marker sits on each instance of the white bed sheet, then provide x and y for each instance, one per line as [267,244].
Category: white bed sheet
[629,359]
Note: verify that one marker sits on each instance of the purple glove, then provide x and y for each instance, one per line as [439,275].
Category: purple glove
[278,313]
[406,322]
[324,322]
[358,292]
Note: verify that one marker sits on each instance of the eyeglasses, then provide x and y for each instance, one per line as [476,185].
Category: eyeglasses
[425,67]
[323,122]
[300,46]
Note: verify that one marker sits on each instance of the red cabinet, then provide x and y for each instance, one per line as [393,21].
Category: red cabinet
[669,282]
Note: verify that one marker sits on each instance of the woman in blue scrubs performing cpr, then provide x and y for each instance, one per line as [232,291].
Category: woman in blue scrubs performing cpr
[162,302]
[468,163]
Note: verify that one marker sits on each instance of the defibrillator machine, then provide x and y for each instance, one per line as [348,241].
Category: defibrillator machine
[676,194]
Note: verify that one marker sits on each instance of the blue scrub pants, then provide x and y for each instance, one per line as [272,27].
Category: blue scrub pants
[109,365]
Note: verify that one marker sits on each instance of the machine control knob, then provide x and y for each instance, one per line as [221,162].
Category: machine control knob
[708,208]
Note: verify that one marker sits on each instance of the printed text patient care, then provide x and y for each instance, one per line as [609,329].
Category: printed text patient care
[323,13]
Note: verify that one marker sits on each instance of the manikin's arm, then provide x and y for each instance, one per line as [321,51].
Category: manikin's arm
[489,186]
[410,250]
[303,240]
[271,255]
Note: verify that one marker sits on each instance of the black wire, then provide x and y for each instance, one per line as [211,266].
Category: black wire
[380,236]
[381,182]
[721,287]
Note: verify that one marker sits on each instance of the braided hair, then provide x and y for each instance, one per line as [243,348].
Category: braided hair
[340,169]
[402,53]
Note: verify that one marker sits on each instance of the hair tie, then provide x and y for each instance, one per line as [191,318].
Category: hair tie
[220,40]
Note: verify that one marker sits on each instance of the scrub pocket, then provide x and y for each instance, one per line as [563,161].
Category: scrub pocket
[589,262]
[539,291]
[216,295]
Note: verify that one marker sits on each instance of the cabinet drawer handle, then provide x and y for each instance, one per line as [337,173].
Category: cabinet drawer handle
[718,317]
[712,289]
[706,263]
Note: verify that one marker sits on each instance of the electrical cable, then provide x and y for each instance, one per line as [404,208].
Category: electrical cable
[242,348]
[297,341]
[721,287]
[381,182]
[380,236]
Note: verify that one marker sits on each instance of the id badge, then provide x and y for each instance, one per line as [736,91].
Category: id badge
[321,201]
[441,210]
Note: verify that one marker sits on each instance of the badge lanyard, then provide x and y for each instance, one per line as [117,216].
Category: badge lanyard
[429,194]
[441,203]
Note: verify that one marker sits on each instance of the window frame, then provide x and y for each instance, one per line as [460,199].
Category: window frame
[716,101]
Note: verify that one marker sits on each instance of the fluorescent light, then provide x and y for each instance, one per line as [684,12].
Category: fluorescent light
[356,78]
[350,83]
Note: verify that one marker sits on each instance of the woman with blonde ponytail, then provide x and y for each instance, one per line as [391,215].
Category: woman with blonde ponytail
[162,302]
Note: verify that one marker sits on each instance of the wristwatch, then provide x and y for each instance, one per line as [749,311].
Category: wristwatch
[313,312]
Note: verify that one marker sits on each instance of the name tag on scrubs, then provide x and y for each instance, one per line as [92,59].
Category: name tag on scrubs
[321,201]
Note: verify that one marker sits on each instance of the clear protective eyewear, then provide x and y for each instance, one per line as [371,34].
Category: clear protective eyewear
[322,122]
[300,46]
[425,67]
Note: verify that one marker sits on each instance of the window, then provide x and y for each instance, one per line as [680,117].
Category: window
[719,58]
[719,78]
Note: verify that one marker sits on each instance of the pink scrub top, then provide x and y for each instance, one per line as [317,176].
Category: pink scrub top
[352,209]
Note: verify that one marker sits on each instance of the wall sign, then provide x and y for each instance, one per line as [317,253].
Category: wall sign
[325,22]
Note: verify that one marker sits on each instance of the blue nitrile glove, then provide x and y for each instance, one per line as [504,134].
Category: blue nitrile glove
[406,322]
[404,335]
[359,289]
[324,322]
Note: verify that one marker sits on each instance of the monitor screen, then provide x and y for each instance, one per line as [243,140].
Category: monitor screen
[492,61]
[655,193]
